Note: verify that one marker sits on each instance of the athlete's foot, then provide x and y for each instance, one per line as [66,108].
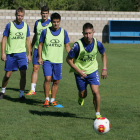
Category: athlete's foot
[98,116]
[80,101]
[1,95]
[54,103]
[22,98]
[46,104]
[31,92]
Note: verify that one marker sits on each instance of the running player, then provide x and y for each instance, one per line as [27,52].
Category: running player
[38,28]
[15,38]
[82,59]
[50,50]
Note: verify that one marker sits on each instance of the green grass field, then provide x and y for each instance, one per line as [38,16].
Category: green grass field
[120,103]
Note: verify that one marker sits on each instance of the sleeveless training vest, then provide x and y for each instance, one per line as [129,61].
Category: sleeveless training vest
[53,47]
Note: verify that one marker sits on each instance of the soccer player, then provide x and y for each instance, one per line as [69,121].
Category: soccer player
[50,50]
[82,59]
[15,38]
[38,27]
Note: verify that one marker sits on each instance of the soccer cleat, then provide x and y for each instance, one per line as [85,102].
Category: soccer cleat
[22,98]
[80,101]
[50,92]
[54,103]
[98,116]
[46,104]
[1,95]
[31,93]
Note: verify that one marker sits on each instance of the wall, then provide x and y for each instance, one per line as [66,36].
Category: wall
[72,21]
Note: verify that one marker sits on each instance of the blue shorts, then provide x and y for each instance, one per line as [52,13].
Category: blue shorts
[52,69]
[92,79]
[35,57]
[16,61]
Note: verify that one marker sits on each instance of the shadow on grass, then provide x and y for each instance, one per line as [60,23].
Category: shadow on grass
[17,89]
[57,114]
[29,101]
[14,89]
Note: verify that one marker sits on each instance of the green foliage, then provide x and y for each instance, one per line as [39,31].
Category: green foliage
[77,5]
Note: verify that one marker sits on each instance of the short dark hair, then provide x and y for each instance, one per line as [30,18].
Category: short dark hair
[44,8]
[55,16]
[87,26]
[20,9]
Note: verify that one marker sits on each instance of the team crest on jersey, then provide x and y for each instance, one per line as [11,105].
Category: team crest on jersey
[18,35]
[86,58]
[54,43]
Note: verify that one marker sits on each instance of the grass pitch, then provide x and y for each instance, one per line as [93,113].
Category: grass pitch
[120,103]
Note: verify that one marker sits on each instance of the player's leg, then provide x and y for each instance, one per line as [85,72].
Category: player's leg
[46,90]
[82,95]
[34,77]
[50,92]
[47,70]
[54,92]
[96,99]
[82,87]
[10,65]
[22,64]
[93,80]
[56,76]
[5,82]
[22,83]
[34,80]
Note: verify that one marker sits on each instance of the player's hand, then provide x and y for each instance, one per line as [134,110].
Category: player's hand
[28,59]
[82,74]
[3,57]
[40,61]
[104,74]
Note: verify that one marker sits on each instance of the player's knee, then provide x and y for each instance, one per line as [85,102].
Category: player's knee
[56,82]
[7,76]
[35,68]
[95,93]
[47,79]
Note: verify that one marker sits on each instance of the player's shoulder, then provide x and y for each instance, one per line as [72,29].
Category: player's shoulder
[99,43]
[37,21]
[76,44]
[24,23]
[8,24]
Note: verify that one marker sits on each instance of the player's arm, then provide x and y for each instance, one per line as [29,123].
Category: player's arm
[67,46]
[28,43]
[4,40]
[80,72]
[104,59]
[40,61]
[104,70]
[34,40]
[35,34]
[66,42]
[3,55]
[40,46]
[74,52]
